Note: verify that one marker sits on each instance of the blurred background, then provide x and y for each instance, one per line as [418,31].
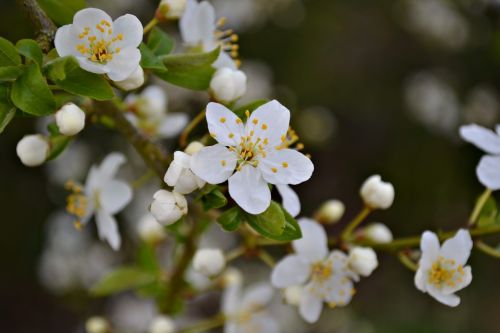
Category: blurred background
[375,87]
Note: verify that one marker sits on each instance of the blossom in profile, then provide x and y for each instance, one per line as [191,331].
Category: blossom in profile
[101,45]
[442,270]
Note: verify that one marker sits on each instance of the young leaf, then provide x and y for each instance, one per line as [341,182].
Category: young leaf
[292,229]
[61,11]
[66,73]
[7,110]
[31,94]
[230,220]
[10,73]
[124,278]
[213,199]
[271,223]
[149,60]
[8,54]
[160,42]
[30,49]
[192,71]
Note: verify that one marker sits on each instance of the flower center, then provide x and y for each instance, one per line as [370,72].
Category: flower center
[99,49]
[77,203]
[321,271]
[445,272]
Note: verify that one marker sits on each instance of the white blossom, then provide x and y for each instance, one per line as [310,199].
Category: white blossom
[162,324]
[172,9]
[290,199]
[32,150]
[258,152]
[133,81]
[102,196]
[209,262]
[378,233]
[168,207]
[325,277]
[100,45]
[441,270]
[179,175]
[70,119]
[97,325]
[331,211]
[376,193]
[149,230]
[228,85]
[293,295]
[362,260]
[488,169]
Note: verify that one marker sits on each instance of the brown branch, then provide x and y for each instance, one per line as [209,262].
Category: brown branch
[45,29]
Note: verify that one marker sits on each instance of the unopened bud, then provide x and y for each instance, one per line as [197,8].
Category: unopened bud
[193,147]
[97,325]
[162,324]
[377,194]
[378,233]
[180,176]
[32,150]
[70,119]
[168,207]
[149,230]
[330,212]
[134,81]
[362,260]
[228,84]
[209,262]
[172,9]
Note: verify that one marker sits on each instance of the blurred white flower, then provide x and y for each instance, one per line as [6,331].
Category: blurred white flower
[172,9]
[330,211]
[293,295]
[193,147]
[149,230]
[482,106]
[228,85]
[73,163]
[100,45]
[362,260]
[488,169]
[130,314]
[325,277]
[376,193]
[97,325]
[179,175]
[32,150]
[168,207]
[378,233]
[257,150]
[209,262]
[70,119]
[133,81]
[441,270]
[162,324]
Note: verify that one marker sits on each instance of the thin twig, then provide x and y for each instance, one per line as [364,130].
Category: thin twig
[45,29]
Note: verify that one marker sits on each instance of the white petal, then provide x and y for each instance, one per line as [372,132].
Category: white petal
[131,29]
[89,17]
[429,245]
[310,307]
[291,201]
[257,296]
[249,190]
[458,248]
[286,166]
[92,67]
[224,60]
[290,271]
[231,298]
[173,124]
[110,165]
[214,164]
[488,172]
[156,100]
[340,289]
[420,280]
[481,137]
[107,229]
[262,323]
[198,22]
[224,124]
[313,245]
[114,196]
[173,173]
[231,327]
[124,64]
[450,299]
[66,40]
[270,121]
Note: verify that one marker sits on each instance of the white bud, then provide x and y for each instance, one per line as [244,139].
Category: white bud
[231,277]
[378,233]
[376,193]
[168,207]
[293,295]
[97,325]
[228,84]
[149,230]
[162,324]
[362,260]
[172,9]
[193,147]
[331,211]
[70,119]
[209,262]
[134,81]
[32,150]
[180,176]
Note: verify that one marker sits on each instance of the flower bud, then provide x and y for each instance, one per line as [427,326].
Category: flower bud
[70,119]
[180,176]
[209,262]
[134,81]
[149,230]
[376,193]
[231,277]
[228,84]
[172,9]
[293,295]
[168,207]
[362,260]
[162,324]
[97,325]
[331,211]
[378,233]
[32,150]
[193,147]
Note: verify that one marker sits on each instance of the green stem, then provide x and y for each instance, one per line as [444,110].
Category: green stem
[234,254]
[204,326]
[355,223]
[154,21]
[190,127]
[139,182]
[266,258]
[45,29]
[487,249]
[406,261]
[479,206]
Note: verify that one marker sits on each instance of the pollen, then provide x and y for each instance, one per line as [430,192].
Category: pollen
[444,273]
[231,135]
[255,121]
[222,120]
[264,126]
[274,170]
[247,113]
[321,271]
[284,164]
[223,163]
[238,121]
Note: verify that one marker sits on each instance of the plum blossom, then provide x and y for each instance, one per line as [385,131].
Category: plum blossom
[103,196]
[441,270]
[325,277]
[258,151]
[488,169]
[101,45]
[180,176]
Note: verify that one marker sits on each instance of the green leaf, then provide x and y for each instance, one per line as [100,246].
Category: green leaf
[8,54]
[230,220]
[10,73]
[160,42]
[67,74]
[213,199]
[240,111]
[31,94]
[147,260]
[192,71]
[149,60]
[124,278]
[271,223]
[61,11]
[30,49]
[488,214]
[7,110]
[292,229]
[57,145]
